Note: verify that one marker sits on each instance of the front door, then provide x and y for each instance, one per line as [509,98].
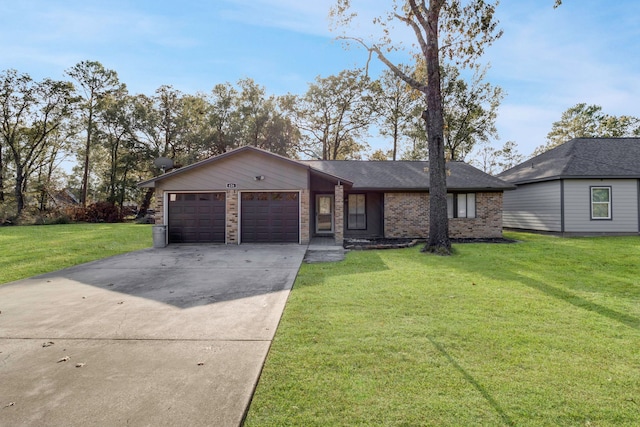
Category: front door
[324,213]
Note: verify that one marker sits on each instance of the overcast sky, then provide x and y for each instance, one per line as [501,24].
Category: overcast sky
[547,61]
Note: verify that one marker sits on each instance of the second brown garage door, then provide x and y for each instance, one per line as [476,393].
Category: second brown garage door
[270,217]
[196,217]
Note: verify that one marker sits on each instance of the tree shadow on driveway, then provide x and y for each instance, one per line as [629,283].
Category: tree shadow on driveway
[186,276]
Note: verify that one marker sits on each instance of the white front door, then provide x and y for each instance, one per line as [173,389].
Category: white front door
[324,213]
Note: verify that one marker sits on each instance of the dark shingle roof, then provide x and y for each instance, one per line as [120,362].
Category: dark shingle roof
[406,175]
[581,158]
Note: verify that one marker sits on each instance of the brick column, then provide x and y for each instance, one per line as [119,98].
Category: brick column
[232,217]
[339,215]
[304,217]
[159,215]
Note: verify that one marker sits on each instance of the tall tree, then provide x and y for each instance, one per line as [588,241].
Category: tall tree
[398,103]
[444,29]
[334,115]
[259,121]
[494,161]
[588,121]
[221,117]
[117,121]
[31,114]
[95,81]
[470,111]
[159,130]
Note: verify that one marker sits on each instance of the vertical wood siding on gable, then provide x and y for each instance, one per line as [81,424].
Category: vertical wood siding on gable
[624,208]
[534,206]
[240,169]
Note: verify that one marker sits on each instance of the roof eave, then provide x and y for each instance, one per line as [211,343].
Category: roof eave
[559,177]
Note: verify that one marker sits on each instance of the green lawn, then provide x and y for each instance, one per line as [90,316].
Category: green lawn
[544,332]
[29,250]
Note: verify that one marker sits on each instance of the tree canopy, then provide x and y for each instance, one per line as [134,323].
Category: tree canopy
[444,30]
[588,121]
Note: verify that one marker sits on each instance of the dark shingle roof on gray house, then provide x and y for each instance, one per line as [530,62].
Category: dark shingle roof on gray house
[581,158]
[406,175]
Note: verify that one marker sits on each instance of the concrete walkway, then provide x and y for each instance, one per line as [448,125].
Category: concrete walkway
[159,337]
[323,249]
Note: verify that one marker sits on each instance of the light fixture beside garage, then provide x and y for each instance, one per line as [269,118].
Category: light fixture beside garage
[258,178]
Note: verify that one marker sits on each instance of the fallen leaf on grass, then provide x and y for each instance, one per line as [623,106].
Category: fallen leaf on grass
[64,359]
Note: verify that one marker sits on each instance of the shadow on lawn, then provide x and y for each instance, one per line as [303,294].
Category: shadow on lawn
[625,319]
[510,274]
[315,274]
[471,380]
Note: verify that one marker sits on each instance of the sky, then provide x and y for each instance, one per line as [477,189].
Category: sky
[547,60]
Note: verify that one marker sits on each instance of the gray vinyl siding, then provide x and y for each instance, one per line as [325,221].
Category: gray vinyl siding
[240,170]
[533,207]
[624,208]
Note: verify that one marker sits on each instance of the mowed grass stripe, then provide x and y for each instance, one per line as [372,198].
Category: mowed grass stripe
[541,332]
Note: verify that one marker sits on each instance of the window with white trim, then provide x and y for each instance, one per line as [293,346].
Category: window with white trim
[600,202]
[461,205]
[357,212]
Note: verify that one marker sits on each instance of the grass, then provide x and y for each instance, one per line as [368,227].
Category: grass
[30,250]
[545,332]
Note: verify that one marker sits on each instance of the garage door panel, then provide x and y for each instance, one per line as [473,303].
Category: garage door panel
[269,217]
[196,218]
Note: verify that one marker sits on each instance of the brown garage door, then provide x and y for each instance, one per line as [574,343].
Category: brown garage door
[196,217]
[270,217]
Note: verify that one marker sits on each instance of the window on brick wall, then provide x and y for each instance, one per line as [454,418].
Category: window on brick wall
[461,205]
[357,216]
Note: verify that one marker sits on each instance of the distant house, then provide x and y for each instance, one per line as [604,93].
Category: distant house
[584,186]
[251,195]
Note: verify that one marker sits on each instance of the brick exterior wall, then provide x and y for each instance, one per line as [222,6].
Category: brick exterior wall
[159,215]
[488,221]
[232,217]
[305,227]
[338,234]
[406,215]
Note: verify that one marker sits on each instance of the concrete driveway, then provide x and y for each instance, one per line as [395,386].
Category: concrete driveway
[172,336]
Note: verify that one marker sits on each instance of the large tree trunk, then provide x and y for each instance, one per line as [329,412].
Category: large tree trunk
[18,189]
[146,202]
[439,241]
[85,174]
[1,176]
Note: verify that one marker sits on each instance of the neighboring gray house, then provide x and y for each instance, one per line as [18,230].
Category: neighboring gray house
[251,195]
[584,186]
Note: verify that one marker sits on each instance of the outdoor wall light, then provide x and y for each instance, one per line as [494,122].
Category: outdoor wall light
[259,177]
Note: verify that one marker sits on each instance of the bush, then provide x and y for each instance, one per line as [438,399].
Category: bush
[96,212]
[103,212]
